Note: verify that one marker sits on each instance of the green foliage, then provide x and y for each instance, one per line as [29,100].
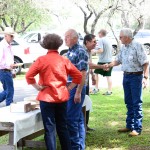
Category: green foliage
[22,12]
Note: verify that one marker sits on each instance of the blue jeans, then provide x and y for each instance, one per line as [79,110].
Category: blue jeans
[54,117]
[8,87]
[132,84]
[76,121]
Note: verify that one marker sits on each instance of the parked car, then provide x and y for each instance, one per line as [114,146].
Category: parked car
[34,37]
[143,37]
[21,52]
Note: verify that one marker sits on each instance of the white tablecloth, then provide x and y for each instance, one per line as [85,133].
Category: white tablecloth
[88,103]
[24,123]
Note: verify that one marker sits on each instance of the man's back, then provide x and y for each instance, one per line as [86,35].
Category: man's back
[106,55]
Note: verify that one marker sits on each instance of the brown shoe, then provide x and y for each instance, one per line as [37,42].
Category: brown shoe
[134,133]
[124,130]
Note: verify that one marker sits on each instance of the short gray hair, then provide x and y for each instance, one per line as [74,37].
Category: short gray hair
[127,32]
[73,33]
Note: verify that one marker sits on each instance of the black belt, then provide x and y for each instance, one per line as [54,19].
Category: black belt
[5,70]
[140,72]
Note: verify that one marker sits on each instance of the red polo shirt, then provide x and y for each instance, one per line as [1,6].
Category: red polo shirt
[53,70]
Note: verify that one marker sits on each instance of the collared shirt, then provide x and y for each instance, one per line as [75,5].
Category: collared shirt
[79,57]
[6,55]
[53,70]
[132,57]
[89,60]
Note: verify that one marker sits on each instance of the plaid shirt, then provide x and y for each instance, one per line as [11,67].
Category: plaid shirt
[79,57]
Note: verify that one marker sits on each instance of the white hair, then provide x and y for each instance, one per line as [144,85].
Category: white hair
[127,32]
[73,33]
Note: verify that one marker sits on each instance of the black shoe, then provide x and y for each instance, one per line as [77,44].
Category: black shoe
[90,129]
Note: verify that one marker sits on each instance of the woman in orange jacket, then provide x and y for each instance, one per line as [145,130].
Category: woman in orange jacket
[53,95]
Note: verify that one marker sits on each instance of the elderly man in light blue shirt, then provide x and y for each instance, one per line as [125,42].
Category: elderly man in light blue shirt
[135,65]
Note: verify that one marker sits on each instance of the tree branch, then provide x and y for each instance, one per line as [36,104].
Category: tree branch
[16,22]
[97,17]
[2,27]
[4,21]
[12,21]
[29,24]
[86,18]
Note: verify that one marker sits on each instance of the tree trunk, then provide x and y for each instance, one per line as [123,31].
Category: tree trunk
[125,19]
[25,28]
[4,21]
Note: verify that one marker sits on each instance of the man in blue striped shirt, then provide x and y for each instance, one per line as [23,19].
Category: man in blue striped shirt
[79,57]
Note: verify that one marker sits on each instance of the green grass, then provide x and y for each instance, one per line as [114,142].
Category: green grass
[108,115]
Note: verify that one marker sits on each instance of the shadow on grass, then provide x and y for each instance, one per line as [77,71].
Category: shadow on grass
[108,138]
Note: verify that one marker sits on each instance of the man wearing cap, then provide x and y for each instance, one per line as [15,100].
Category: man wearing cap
[6,66]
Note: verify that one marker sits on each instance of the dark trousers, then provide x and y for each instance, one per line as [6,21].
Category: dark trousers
[132,84]
[8,86]
[54,117]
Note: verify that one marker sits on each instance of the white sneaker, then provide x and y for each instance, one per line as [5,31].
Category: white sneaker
[107,93]
[95,91]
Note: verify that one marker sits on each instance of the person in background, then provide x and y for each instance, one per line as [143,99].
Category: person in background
[105,56]
[135,66]
[79,57]
[90,44]
[6,66]
[53,95]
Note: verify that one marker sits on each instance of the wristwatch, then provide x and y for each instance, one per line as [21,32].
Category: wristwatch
[146,77]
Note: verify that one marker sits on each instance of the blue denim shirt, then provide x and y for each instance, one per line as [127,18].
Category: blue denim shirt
[79,57]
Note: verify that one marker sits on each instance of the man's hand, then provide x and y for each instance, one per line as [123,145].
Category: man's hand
[39,87]
[12,66]
[77,98]
[144,83]
[106,67]
[93,80]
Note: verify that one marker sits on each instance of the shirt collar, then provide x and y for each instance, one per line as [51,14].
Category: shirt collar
[130,44]
[52,51]
[6,44]
[74,47]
